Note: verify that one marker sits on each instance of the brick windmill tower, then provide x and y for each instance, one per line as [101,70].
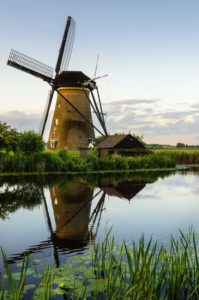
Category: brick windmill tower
[72,126]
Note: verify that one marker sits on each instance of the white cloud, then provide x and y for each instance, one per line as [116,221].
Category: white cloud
[145,117]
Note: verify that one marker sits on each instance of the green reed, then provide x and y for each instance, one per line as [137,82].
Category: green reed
[144,271]
[14,288]
[180,156]
[45,288]
[141,270]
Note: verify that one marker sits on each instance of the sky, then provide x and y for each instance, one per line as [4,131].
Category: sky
[149,49]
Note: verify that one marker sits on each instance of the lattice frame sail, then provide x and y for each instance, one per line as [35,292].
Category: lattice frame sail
[30,65]
[68,47]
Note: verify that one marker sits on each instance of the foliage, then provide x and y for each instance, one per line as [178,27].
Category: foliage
[99,139]
[13,197]
[140,138]
[181,155]
[31,142]
[9,137]
[27,142]
[64,161]
[180,145]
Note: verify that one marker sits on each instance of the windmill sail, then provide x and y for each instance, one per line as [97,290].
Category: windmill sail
[62,65]
[46,113]
[30,65]
[66,46]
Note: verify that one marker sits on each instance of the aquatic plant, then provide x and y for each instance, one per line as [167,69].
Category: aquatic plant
[10,287]
[141,270]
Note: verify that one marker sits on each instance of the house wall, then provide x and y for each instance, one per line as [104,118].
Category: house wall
[124,152]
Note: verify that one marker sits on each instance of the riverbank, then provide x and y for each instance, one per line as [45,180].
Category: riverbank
[48,162]
[106,270]
[64,161]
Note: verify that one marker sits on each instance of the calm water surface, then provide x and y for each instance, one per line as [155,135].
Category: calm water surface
[54,216]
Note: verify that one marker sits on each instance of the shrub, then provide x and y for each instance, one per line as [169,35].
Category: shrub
[31,142]
[91,163]
[53,162]
[9,137]
[13,162]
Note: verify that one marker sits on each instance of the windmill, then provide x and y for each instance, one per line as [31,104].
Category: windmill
[72,126]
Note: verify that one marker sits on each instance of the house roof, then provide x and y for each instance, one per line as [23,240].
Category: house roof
[112,141]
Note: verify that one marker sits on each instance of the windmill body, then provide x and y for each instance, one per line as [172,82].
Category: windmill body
[69,130]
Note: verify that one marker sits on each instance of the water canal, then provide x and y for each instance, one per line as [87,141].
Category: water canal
[55,216]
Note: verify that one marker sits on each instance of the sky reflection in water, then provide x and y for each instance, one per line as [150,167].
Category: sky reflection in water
[60,217]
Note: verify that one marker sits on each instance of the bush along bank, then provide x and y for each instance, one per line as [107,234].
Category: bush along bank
[64,161]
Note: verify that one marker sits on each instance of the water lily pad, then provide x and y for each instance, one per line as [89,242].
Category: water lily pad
[17,275]
[20,264]
[36,261]
[37,276]
[59,291]
[29,286]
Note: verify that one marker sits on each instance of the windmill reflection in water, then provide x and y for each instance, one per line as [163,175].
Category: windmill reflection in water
[76,220]
[77,214]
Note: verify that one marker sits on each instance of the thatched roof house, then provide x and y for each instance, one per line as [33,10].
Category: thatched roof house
[123,144]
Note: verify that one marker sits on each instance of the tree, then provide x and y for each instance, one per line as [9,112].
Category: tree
[180,145]
[140,138]
[31,142]
[99,139]
[9,137]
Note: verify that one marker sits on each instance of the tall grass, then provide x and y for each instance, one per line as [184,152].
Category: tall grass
[12,289]
[145,271]
[142,270]
[180,156]
[64,161]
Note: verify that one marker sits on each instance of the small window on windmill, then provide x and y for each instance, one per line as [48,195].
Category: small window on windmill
[59,105]
[56,121]
[53,144]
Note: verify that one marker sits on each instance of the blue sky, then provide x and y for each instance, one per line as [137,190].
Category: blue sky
[150,49]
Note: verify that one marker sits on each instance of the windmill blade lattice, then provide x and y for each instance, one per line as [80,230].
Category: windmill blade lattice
[62,64]
[29,65]
[45,114]
[68,47]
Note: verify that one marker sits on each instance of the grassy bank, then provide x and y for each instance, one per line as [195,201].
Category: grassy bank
[180,155]
[64,161]
[142,270]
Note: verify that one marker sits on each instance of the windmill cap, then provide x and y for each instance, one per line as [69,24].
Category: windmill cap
[70,78]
